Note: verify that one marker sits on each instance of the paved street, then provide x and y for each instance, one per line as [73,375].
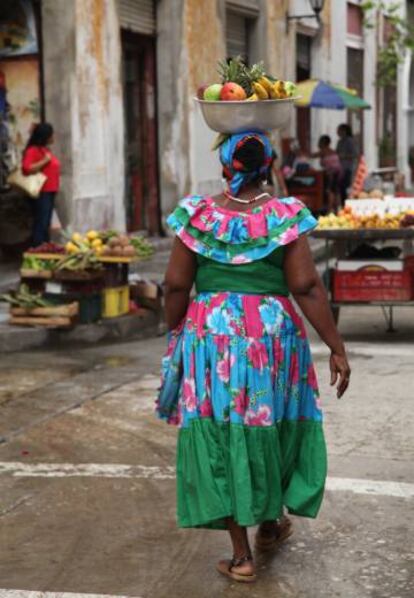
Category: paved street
[87,480]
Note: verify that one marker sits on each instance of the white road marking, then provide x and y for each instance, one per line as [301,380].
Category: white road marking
[37,594]
[116,470]
[95,470]
[373,487]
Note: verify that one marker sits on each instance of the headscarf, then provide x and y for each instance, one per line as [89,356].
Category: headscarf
[235,170]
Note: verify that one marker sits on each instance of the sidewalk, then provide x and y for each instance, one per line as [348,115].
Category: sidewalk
[131,327]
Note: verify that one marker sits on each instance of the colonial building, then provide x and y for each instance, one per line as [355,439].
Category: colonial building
[117,77]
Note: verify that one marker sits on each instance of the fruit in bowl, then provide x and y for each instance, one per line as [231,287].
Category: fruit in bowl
[213,92]
[241,83]
[232,92]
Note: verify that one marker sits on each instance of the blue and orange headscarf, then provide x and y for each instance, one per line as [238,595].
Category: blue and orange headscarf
[234,170]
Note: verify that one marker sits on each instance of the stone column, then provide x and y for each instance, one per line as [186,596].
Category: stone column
[83,94]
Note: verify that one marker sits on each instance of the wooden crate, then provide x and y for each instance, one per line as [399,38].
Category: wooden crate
[59,316]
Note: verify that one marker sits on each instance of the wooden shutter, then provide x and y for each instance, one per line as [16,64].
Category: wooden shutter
[137,16]
[236,35]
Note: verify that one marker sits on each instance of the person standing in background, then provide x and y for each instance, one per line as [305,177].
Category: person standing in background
[347,151]
[38,157]
[331,166]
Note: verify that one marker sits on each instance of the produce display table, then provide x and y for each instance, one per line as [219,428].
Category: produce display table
[342,239]
[102,292]
[79,282]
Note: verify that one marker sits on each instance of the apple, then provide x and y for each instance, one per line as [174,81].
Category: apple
[212,93]
[200,91]
[291,89]
[232,92]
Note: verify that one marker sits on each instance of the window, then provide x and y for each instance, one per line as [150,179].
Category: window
[354,20]
[238,35]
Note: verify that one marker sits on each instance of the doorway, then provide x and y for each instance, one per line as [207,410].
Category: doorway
[141,152]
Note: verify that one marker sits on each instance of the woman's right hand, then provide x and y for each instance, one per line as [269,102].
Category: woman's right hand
[339,366]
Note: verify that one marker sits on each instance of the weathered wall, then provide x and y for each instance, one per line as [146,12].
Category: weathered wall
[173,104]
[280,56]
[205,40]
[82,58]
[329,64]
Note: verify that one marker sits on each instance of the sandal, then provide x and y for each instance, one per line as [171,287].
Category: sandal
[282,532]
[227,568]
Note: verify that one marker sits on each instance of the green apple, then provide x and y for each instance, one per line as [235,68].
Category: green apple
[212,93]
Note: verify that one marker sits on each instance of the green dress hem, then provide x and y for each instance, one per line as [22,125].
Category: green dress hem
[248,472]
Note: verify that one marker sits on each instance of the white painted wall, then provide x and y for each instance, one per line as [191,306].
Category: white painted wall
[205,164]
[329,63]
[370,95]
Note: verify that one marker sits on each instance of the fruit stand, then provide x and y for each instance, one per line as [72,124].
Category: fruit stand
[78,283]
[364,274]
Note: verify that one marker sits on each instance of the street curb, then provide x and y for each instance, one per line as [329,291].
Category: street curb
[146,324]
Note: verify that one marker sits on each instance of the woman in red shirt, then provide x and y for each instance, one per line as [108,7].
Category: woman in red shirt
[38,158]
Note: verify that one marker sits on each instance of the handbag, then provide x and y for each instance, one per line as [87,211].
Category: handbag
[31,184]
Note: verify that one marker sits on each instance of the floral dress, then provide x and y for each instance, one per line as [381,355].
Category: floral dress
[238,378]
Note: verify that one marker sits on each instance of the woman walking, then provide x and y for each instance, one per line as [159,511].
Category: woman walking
[39,158]
[238,377]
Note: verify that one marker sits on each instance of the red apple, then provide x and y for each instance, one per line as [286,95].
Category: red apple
[232,92]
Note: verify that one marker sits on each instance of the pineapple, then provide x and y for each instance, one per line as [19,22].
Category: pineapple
[236,71]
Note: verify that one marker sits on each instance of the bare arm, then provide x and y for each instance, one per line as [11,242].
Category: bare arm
[39,165]
[179,280]
[309,292]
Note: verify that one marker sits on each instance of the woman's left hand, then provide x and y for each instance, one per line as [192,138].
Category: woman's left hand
[339,366]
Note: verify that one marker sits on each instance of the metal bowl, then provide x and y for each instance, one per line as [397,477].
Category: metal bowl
[237,117]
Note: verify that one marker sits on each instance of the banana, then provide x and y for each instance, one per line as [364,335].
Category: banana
[260,91]
[266,83]
[280,90]
[274,92]
[253,98]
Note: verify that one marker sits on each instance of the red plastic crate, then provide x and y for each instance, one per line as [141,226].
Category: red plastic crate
[373,285]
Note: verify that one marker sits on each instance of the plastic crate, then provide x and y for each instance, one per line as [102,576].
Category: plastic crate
[115,301]
[372,285]
[90,305]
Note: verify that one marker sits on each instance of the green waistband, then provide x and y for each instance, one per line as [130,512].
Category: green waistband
[264,277]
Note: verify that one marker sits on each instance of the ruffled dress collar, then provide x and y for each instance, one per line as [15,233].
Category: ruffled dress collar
[234,237]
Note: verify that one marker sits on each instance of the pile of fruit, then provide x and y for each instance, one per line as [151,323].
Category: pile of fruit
[37,264]
[374,194]
[47,248]
[241,83]
[109,244]
[80,260]
[407,220]
[346,218]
